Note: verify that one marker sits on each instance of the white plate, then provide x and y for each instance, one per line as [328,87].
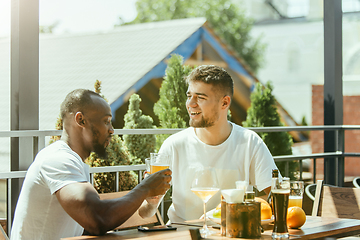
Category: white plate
[263,222]
[215,220]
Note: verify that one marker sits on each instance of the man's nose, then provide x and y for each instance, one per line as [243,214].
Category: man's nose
[111,130]
[191,101]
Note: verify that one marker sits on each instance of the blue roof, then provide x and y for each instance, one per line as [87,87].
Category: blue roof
[185,49]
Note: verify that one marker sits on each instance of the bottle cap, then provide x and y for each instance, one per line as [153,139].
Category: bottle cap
[275,173]
[249,196]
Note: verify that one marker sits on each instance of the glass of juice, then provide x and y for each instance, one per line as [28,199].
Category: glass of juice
[296,193]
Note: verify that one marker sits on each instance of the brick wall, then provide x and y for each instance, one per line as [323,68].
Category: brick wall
[351,116]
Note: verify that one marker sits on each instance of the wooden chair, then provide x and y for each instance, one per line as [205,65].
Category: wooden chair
[3,235]
[135,220]
[340,202]
[356,182]
[310,191]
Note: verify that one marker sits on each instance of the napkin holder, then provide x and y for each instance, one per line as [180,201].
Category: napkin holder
[229,195]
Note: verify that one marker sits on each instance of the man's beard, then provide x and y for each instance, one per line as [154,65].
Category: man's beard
[99,149]
[203,123]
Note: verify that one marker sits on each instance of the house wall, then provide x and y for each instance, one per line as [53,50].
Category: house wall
[351,116]
[294,60]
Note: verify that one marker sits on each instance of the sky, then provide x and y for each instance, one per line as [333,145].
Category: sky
[75,15]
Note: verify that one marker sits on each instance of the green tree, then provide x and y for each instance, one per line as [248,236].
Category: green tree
[304,123]
[117,155]
[263,113]
[226,18]
[171,108]
[48,28]
[140,146]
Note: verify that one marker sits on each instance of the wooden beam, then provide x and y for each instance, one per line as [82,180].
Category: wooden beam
[241,100]
[193,62]
[199,53]
[245,80]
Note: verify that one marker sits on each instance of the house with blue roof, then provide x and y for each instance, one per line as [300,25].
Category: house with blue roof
[129,59]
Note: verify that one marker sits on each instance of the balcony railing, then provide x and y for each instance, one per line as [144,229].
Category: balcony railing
[39,138]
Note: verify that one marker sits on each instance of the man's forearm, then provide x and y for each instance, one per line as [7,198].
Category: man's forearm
[149,209]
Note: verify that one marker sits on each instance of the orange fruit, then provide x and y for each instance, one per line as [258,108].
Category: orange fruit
[295,217]
[266,211]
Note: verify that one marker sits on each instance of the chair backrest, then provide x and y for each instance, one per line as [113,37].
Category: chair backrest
[310,191]
[332,201]
[135,220]
[356,182]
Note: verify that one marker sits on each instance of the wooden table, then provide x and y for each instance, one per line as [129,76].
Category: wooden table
[314,228]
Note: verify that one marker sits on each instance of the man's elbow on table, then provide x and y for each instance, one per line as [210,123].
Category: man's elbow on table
[98,227]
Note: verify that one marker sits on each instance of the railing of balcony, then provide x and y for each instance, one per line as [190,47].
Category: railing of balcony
[39,137]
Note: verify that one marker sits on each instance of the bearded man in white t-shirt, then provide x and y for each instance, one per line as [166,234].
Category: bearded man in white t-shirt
[56,199]
[211,140]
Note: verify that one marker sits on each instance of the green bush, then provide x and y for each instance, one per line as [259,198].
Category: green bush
[140,146]
[263,113]
[117,155]
[170,108]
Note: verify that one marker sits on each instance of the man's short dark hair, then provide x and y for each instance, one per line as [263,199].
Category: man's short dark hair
[214,75]
[77,101]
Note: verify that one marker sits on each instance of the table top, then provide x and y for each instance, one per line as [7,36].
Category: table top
[315,227]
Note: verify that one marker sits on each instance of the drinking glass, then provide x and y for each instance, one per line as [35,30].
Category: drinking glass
[147,164]
[205,185]
[157,162]
[296,193]
[280,197]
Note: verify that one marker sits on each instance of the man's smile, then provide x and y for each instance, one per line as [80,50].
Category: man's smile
[194,113]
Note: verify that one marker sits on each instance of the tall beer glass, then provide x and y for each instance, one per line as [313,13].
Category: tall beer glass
[280,190]
[158,162]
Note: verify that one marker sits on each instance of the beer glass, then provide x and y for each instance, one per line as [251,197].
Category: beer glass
[158,162]
[280,191]
[205,185]
[147,164]
[296,193]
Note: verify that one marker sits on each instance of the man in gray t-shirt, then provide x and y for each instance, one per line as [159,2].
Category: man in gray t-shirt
[57,199]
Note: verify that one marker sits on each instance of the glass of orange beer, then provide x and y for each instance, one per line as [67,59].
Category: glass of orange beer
[296,193]
[158,162]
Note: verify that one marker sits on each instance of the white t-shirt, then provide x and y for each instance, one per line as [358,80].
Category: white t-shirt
[243,156]
[38,213]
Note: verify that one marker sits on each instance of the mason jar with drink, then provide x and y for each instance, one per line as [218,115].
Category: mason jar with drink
[296,193]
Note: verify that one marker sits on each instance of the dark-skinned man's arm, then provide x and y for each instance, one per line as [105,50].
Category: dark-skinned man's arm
[83,204]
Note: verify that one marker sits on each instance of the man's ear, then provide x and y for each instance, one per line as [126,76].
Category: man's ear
[225,102]
[79,119]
